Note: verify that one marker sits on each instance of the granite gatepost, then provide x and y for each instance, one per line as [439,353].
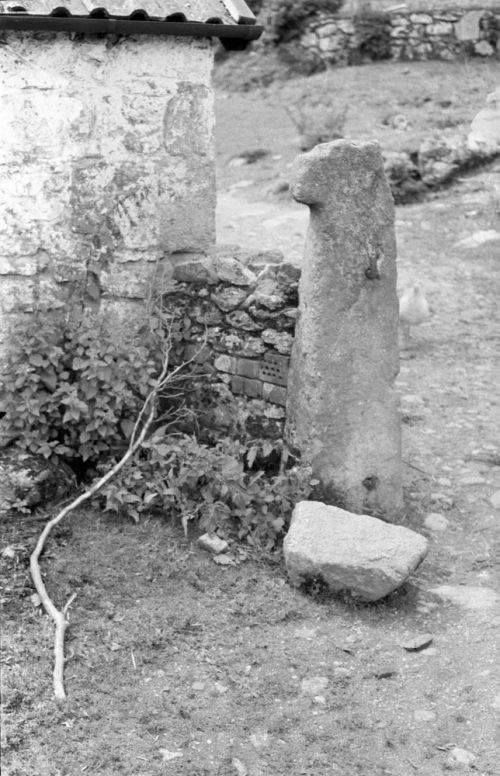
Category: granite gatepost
[342,410]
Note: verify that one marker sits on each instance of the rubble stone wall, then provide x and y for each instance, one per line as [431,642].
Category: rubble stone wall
[236,312]
[423,32]
[106,169]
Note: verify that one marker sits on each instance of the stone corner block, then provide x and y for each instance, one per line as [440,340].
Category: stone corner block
[358,553]
[230,270]
[196,270]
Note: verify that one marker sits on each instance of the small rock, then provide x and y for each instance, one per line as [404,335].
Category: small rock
[495,704]
[427,606]
[224,560]
[35,599]
[471,481]
[478,238]
[442,498]
[400,122]
[459,757]
[240,319]
[495,499]
[167,755]
[229,298]
[313,685]
[239,767]
[280,340]
[436,522]
[305,633]
[245,184]
[9,552]
[384,672]
[485,128]
[212,543]
[238,161]
[279,187]
[198,686]
[248,157]
[260,739]
[444,482]
[342,672]
[483,48]
[417,643]
[230,270]
[424,715]
[220,688]
[468,596]
[410,398]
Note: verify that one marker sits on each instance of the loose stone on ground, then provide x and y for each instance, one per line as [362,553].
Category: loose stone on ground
[495,499]
[417,643]
[351,552]
[468,596]
[212,543]
[314,685]
[460,757]
[436,522]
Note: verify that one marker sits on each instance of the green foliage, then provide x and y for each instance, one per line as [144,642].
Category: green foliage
[373,36]
[212,486]
[72,392]
[284,19]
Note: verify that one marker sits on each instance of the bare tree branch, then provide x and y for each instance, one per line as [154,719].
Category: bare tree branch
[139,432]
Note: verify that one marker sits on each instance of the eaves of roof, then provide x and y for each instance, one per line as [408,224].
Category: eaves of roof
[230,20]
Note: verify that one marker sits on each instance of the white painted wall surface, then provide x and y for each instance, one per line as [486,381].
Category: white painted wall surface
[106,168]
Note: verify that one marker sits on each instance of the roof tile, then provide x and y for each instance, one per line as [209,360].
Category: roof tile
[193,10]
[230,20]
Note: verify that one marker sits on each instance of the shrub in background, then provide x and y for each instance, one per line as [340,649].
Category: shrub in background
[284,19]
[316,118]
[372,35]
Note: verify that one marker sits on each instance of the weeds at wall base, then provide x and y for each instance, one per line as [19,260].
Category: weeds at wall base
[72,395]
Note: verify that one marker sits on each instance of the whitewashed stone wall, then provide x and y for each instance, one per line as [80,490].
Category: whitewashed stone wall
[106,170]
[426,32]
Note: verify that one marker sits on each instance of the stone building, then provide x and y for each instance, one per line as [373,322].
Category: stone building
[106,149]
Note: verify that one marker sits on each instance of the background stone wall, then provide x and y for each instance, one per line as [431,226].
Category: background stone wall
[235,315]
[106,170]
[423,31]
[355,6]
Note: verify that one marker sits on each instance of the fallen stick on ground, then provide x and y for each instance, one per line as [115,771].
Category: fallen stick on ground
[141,426]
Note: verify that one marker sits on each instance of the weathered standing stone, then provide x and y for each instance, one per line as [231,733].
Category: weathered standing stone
[350,552]
[342,409]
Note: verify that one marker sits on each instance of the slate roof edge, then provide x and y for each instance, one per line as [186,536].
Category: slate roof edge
[99,21]
[240,11]
[121,26]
